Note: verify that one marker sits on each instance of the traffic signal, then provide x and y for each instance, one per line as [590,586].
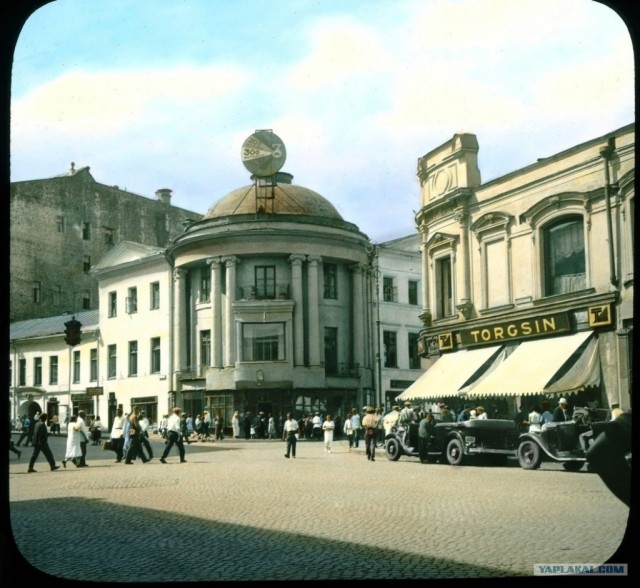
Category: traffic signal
[72,332]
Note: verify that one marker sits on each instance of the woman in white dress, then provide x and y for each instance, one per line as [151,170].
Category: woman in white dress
[74,437]
[328,426]
[235,424]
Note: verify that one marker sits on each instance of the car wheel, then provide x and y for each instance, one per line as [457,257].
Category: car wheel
[529,455]
[455,452]
[392,449]
[572,466]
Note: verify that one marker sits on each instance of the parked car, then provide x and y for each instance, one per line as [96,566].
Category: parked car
[456,443]
[561,441]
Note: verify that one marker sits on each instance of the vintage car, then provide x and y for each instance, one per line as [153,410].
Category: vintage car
[455,443]
[564,442]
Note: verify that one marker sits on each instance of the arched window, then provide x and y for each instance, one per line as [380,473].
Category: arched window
[564,256]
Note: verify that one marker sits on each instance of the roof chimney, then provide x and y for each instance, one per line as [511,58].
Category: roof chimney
[164,195]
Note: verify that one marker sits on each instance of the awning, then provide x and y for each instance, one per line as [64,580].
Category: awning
[452,372]
[541,367]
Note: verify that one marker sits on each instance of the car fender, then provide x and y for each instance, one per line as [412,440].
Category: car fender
[539,440]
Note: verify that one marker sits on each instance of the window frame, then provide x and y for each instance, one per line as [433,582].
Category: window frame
[155,363]
[112,361]
[54,367]
[132,356]
[330,280]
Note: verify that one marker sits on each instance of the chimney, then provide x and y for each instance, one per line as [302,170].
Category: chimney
[164,195]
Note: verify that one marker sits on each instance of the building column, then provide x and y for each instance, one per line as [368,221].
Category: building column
[216,311]
[357,276]
[229,323]
[179,320]
[426,278]
[464,299]
[315,336]
[298,314]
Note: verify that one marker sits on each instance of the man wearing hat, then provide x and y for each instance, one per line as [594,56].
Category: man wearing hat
[406,415]
[563,412]
[370,425]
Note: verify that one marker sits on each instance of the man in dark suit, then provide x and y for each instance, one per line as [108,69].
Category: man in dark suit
[563,412]
[41,443]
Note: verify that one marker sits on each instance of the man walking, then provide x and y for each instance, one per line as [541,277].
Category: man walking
[41,443]
[370,423]
[84,434]
[174,436]
[289,435]
[135,435]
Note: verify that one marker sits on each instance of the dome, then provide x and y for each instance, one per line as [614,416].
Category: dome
[281,198]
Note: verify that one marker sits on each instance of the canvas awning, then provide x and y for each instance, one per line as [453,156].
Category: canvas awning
[545,366]
[453,372]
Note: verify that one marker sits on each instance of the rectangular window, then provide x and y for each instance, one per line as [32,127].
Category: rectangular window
[390,349]
[205,285]
[155,355]
[37,292]
[413,292]
[444,290]
[263,341]
[22,372]
[132,300]
[53,369]
[331,350]
[113,304]
[205,348]
[93,365]
[133,358]
[57,295]
[76,367]
[414,356]
[111,362]
[564,256]
[265,282]
[60,224]
[330,271]
[86,231]
[155,295]
[389,291]
[86,299]
[37,371]
[86,263]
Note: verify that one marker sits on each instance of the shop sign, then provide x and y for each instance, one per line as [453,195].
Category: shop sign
[600,316]
[518,329]
[95,391]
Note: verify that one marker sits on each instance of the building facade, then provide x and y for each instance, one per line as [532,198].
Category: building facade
[528,278]
[78,220]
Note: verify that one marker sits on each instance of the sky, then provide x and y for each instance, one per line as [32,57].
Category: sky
[162,93]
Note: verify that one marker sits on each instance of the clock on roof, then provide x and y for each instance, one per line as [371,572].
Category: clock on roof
[263,153]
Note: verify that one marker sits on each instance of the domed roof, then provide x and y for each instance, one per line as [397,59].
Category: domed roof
[281,198]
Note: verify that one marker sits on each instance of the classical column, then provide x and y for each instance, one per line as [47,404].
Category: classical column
[298,314]
[426,279]
[464,300]
[313,308]
[357,276]
[216,311]
[229,323]
[179,319]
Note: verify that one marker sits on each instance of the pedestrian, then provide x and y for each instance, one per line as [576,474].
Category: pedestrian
[328,427]
[96,430]
[355,425]
[534,420]
[547,415]
[73,450]
[218,423]
[235,424]
[348,430]
[390,419]
[135,438]
[337,431]
[12,446]
[280,424]
[162,426]
[248,425]
[426,435]
[33,412]
[563,412]
[271,427]
[316,432]
[174,436]
[370,425]
[380,433]
[41,443]
[206,425]
[144,434]
[117,434]
[290,431]
[55,425]
[24,432]
[406,415]
[84,434]
[184,429]
[189,425]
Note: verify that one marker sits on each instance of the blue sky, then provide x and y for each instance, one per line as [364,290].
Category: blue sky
[162,93]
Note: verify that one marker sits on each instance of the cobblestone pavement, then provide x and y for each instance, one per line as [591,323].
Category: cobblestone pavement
[238,510]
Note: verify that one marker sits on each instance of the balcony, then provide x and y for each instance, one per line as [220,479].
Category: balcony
[279,291]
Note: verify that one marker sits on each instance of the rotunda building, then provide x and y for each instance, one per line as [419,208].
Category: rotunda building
[272,305]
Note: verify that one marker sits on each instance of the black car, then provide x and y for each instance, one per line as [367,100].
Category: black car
[455,443]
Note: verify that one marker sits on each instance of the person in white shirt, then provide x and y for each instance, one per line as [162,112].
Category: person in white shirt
[85,434]
[117,434]
[348,430]
[174,436]
[391,419]
[144,437]
[328,426]
[534,420]
[317,427]
[480,413]
[289,435]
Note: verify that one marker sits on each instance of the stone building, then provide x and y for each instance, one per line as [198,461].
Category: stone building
[528,278]
[78,220]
